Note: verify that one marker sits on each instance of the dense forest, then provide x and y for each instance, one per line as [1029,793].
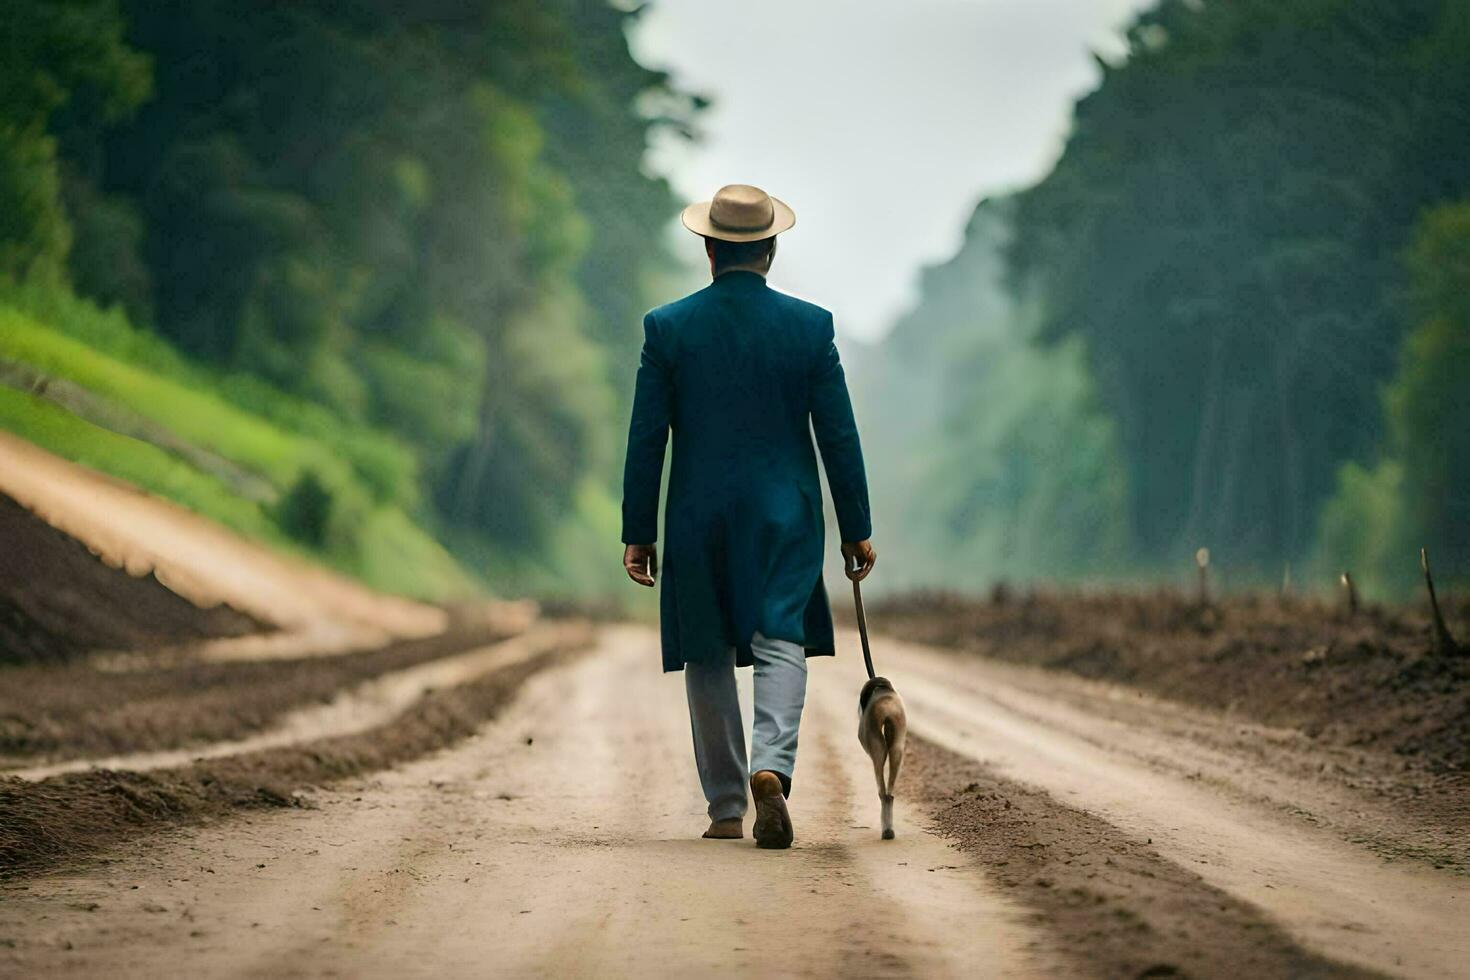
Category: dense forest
[417,235]
[1236,315]
[365,278]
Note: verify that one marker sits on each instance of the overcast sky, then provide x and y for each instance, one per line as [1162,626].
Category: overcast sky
[881,124]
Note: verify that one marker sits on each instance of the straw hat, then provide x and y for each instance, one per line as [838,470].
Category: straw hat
[739,213]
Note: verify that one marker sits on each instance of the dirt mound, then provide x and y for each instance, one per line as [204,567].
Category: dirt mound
[45,823]
[1369,680]
[53,712]
[57,599]
[1114,905]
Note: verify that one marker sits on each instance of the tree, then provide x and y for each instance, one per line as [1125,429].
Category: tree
[56,54]
[1419,491]
[996,462]
[1222,231]
[428,218]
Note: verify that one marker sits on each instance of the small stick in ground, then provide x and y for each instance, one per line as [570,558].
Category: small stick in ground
[1444,641]
[1202,562]
[1350,591]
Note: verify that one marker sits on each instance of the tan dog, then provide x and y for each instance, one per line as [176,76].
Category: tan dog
[883,730]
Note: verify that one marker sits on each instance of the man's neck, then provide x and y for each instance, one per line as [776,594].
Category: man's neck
[758,270]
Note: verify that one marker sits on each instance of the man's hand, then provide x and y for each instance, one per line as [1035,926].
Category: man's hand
[641,563]
[858,559]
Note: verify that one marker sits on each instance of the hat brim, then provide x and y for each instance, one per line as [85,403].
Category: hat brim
[696,219]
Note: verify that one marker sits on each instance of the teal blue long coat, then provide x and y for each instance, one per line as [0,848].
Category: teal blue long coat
[744,375]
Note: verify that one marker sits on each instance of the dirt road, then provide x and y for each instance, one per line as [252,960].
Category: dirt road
[561,841]
[1200,790]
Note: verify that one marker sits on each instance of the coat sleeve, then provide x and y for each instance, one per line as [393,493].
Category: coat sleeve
[648,435]
[837,437]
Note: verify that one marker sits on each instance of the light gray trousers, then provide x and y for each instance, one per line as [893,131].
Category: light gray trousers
[719,736]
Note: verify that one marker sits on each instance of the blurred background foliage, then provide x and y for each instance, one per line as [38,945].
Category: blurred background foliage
[365,278]
[1234,315]
[383,256]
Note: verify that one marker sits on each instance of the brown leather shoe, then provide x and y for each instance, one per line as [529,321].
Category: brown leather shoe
[732,829]
[772,822]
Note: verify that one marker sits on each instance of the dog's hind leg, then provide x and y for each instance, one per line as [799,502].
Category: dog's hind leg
[883,797]
[895,762]
[878,759]
[893,739]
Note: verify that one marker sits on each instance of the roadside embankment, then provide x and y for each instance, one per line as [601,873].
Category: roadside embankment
[1369,680]
[57,600]
[200,560]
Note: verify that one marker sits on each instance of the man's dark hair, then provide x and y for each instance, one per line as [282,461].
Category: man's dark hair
[729,254]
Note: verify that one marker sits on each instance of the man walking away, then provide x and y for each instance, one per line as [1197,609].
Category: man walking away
[743,375]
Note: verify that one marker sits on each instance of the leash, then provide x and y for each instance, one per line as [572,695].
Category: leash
[857,600]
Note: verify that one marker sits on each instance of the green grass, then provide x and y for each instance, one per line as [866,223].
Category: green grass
[141,464]
[372,479]
[396,555]
[238,416]
[200,418]
[388,551]
[105,330]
